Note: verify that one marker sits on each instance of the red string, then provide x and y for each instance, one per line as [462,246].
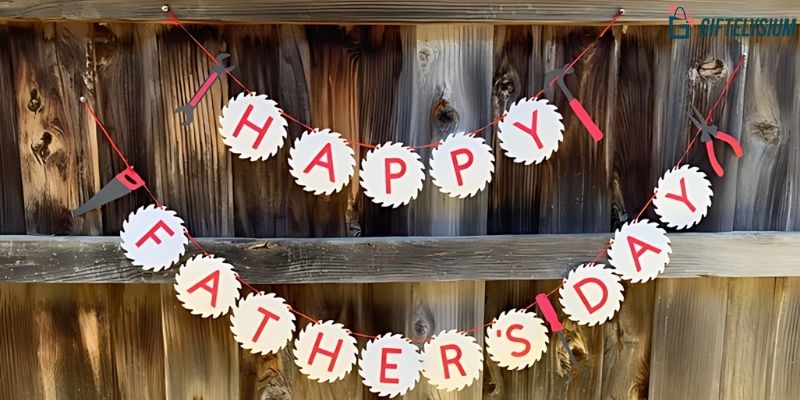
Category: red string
[105,132]
[174,20]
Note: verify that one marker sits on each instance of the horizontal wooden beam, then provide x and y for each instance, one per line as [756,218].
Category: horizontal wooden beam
[398,259]
[389,11]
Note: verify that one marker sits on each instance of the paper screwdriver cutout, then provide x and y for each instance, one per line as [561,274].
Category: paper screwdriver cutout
[389,365]
[574,103]
[708,134]
[516,339]
[683,196]
[461,165]
[452,360]
[153,238]
[591,294]
[217,71]
[325,351]
[321,162]
[207,286]
[262,323]
[392,175]
[123,183]
[549,314]
[531,131]
[640,251]
[252,126]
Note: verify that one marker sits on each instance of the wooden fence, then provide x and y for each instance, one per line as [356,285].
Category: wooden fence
[699,338]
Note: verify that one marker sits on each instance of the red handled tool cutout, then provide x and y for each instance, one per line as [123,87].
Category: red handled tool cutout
[125,182]
[217,71]
[710,132]
[555,325]
[574,103]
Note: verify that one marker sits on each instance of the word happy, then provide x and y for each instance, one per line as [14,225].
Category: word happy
[392,174]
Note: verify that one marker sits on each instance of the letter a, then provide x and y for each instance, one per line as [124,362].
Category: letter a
[328,164]
[637,252]
[213,289]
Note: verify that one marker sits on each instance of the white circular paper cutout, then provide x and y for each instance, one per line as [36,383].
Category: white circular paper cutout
[516,339]
[639,251]
[389,365]
[321,162]
[392,175]
[452,360]
[252,126]
[461,165]
[153,238]
[591,295]
[683,196]
[314,349]
[262,323]
[531,131]
[207,286]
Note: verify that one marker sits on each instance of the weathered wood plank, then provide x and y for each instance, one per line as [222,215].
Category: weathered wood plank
[783,382]
[12,210]
[201,359]
[126,107]
[386,11]
[20,377]
[57,139]
[688,340]
[192,171]
[134,314]
[407,259]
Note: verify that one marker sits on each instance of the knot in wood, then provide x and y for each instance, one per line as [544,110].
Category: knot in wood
[41,150]
[444,117]
[34,104]
[712,68]
[769,131]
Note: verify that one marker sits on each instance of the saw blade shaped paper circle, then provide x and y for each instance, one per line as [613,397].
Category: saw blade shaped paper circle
[321,162]
[591,295]
[401,360]
[516,339]
[392,175]
[461,165]
[262,323]
[153,238]
[683,197]
[207,286]
[446,355]
[531,131]
[317,365]
[640,251]
[252,126]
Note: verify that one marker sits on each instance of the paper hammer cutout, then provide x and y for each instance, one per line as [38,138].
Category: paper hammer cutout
[574,104]
[125,182]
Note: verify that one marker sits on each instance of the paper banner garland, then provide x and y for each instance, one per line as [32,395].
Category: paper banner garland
[325,351]
[531,131]
[516,339]
[207,286]
[252,126]
[452,360]
[461,165]
[389,365]
[321,162]
[153,238]
[640,251]
[262,323]
[591,294]
[392,175]
[683,196]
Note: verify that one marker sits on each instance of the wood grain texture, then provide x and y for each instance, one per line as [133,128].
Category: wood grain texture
[688,340]
[137,343]
[201,359]
[20,377]
[126,105]
[406,259]
[272,60]
[57,140]
[12,211]
[387,11]
[769,172]
[786,345]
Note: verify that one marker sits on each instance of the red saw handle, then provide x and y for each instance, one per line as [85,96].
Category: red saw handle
[586,120]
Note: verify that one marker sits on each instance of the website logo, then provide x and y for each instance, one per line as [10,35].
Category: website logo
[681,25]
